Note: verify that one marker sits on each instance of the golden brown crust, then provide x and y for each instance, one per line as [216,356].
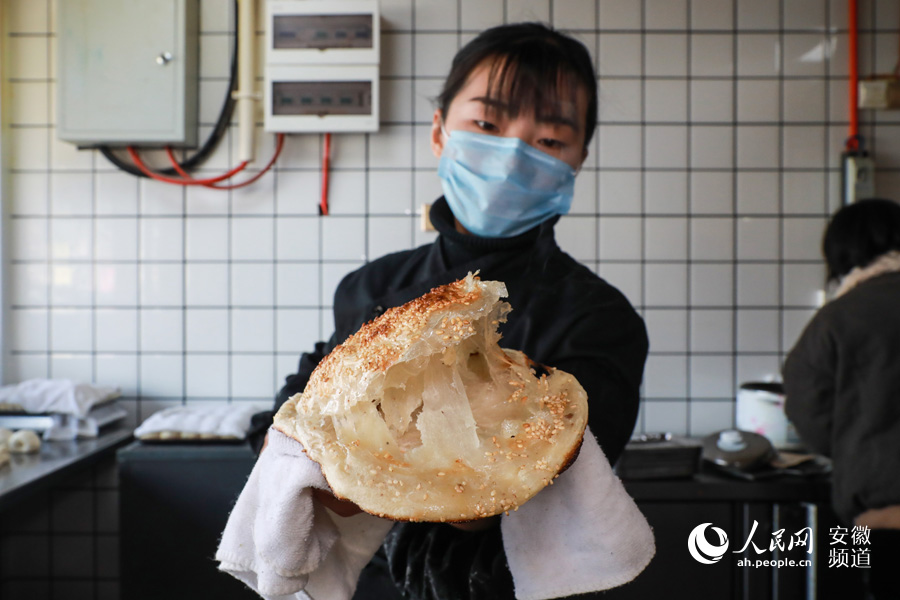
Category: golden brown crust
[421,416]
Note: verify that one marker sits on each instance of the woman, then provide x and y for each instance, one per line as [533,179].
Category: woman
[512,128]
[842,381]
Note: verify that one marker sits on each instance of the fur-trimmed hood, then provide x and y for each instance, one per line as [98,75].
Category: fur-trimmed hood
[886,263]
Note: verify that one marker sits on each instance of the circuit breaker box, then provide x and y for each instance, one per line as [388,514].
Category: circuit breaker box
[127,72]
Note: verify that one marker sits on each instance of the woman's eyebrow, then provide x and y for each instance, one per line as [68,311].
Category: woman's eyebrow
[502,106]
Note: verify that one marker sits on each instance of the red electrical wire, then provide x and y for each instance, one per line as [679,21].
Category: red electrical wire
[149,173]
[326,165]
[853,52]
[279,145]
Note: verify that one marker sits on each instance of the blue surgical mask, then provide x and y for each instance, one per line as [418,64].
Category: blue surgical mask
[501,186]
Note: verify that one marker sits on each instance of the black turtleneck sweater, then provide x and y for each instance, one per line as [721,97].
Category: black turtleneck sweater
[563,316]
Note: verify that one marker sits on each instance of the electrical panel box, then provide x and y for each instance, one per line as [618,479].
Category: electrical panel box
[128,72]
[322,66]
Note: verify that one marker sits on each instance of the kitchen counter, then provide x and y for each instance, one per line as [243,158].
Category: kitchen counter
[29,473]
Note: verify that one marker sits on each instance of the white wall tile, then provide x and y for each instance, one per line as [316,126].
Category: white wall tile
[757,367]
[115,239]
[757,192]
[620,55]
[207,284]
[620,146]
[712,55]
[667,330]
[116,284]
[65,155]
[758,239]
[297,284]
[116,330]
[252,330]
[396,54]
[712,147]
[72,194]
[805,54]
[161,239]
[527,10]
[620,192]
[665,284]
[711,285]
[29,330]
[665,100]
[390,192]
[71,330]
[396,100]
[161,285]
[758,14]
[117,194]
[620,100]
[668,417]
[297,238]
[665,54]
[666,238]
[804,193]
[711,377]
[435,15]
[343,238]
[665,377]
[390,234]
[620,14]
[251,376]
[665,146]
[433,53]
[621,238]
[206,239]
[297,330]
[712,14]
[665,14]
[577,237]
[29,103]
[158,198]
[77,367]
[347,193]
[757,147]
[206,330]
[758,284]
[29,194]
[712,238]
[712,192]
[758,55]
[252,238]
[32,148]
[207,375]
[757,330]
[804,146]
[708,417]
[803,238]
[805,14]
[802,283]
[118,370]
[29,239]
[711,331]
[391,148]
[252,285]
[161,375]
[712,101]
[585,197]
[162,330]
[71,284]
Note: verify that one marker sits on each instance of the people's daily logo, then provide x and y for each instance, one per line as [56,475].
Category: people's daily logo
[702,550]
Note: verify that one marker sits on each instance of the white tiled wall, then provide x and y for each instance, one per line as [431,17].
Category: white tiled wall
[715,165]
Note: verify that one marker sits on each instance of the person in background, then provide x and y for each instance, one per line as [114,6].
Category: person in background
[842,381]
[512,129]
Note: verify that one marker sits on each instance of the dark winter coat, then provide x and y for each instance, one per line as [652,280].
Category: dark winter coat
[842,382]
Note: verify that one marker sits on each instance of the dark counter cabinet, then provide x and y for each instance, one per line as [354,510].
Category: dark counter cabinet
[175,501]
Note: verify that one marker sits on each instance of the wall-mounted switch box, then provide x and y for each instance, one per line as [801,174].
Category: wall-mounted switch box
[880,93]
[128,72]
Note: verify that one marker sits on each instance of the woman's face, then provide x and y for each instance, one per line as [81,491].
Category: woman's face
[473,110]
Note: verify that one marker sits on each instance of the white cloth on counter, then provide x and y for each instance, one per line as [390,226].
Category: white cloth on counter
[282,543]
[57,396]
[582,534]
[232,420]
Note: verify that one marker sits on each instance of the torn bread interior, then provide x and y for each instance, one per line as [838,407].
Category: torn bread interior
[422,416]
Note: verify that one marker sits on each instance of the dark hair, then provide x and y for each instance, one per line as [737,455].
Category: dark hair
[859,233]
[535,61]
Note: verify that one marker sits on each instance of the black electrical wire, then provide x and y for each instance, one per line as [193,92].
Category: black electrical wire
[214,138]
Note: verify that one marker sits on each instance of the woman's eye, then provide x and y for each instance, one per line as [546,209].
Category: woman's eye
[551,143]
[486,126]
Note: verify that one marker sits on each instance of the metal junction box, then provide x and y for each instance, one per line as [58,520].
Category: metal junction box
[128,72]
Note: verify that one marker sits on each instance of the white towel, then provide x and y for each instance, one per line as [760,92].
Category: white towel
[283,544]
[232,420]
[582,534]
[57,396]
